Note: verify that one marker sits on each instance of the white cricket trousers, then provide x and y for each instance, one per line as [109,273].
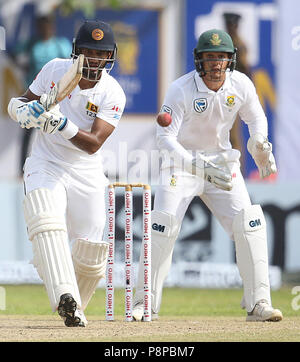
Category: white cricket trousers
[224,205]
[173,198]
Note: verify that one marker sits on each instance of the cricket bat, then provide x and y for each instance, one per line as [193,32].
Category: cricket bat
[64,86]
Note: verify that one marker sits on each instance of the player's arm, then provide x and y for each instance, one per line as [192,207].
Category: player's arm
[29,96]
[258,145]
[90,142]
[53,121]
[217,174]
[17,102]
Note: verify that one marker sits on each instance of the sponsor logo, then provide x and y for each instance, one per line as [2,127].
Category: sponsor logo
[54,122]
[97,34]
[254,223]
[200,105]
[166,109]
[157,227]
[117,109]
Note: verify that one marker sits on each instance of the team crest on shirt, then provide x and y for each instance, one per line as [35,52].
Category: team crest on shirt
[230,101]
[200,105]
[173,180]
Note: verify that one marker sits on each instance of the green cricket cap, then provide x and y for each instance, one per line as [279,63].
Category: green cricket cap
[215,40]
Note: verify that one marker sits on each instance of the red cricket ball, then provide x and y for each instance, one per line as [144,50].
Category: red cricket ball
[164,119]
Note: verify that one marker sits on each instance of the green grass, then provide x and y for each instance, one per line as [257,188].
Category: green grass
[33,300]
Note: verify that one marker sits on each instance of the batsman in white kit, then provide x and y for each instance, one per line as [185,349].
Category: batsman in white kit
[76,104]
[204,105]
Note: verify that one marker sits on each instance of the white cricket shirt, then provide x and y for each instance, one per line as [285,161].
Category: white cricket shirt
[106,100]
[202,118]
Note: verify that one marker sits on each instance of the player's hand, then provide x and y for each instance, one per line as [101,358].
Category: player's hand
[261,151]
[28,115]
[54,120]
[216,172]
[220,176]
[48,99]
[49,122]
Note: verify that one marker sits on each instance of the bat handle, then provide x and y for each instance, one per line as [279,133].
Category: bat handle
[48,101]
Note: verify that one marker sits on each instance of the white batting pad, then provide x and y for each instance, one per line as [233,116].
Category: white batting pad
[165,230]
[250,235]
[90,259]
[52,255]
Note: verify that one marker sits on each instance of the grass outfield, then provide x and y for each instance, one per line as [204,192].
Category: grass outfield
[186,315]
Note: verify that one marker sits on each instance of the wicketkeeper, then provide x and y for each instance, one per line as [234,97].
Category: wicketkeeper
[204,104]
[64,180]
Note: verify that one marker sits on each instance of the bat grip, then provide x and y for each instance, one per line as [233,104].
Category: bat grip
[48,101]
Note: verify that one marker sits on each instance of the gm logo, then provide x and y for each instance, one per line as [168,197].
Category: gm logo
[2,38]
[160,228]
[254,223]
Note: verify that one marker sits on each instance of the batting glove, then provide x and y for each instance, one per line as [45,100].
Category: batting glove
[28,115]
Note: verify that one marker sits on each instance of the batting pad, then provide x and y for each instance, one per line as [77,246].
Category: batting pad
[165,230]
[51,252]
[90,259]
[250,235]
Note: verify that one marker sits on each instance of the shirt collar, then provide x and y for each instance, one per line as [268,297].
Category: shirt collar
[201,86]
[98,87]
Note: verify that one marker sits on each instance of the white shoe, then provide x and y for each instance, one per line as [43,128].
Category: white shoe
[264,312]
[138,313]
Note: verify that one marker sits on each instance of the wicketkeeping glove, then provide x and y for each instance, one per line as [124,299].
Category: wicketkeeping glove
[261,151]
[216,173]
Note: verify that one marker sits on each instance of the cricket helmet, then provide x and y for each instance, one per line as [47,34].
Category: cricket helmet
[97,35]
[214,40]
